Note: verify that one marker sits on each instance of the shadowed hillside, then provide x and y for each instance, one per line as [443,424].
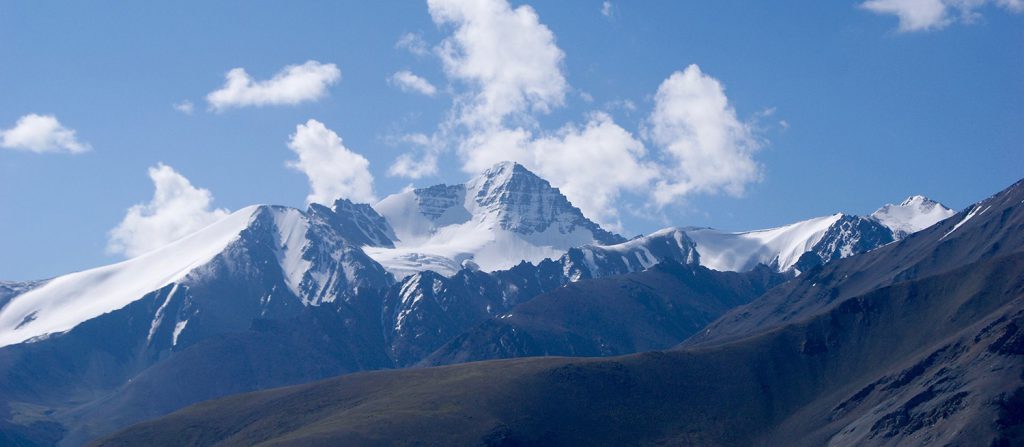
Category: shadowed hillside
[898,362]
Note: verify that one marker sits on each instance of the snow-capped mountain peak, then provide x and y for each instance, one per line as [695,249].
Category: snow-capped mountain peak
[499,176]
[912,215]
[359,223]
[637,254]
[507,214]
[790,247]
[294,258]
[68,300]
[499,218]
[524,203]
[917,200]
[503,186]
[741,251]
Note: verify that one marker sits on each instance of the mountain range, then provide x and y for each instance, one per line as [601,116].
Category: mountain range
[502,266]
[918,342]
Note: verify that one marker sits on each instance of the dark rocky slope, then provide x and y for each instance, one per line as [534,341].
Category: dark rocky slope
[650,310]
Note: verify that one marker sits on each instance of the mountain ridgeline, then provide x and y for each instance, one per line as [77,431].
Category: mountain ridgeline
[919,342]
[502,266]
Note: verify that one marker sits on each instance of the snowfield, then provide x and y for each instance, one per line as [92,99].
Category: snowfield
[912,215]
[65,301]
[742,251]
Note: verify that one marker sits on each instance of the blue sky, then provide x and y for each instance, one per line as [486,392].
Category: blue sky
[838,106]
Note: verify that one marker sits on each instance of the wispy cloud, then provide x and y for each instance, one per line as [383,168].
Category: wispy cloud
[292,85]
[185,107]
[41,133]
[409,82]
[413,43]
[922,15]
[606,8]
[419,163]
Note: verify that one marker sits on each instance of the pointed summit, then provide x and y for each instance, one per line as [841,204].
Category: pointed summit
[504,171]
[505,182]
[914,214]
[358,222]
[524,203]
[916,200]
[503,216]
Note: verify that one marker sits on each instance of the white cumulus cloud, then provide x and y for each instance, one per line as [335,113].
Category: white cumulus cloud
[921,15]
[333,170]
[292,85]
[606,8]
[707,147]
[41,133]
[592,164]
[507,57]
[407,81]
[176,210]
[505,66]
[506,70]
[508,67]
